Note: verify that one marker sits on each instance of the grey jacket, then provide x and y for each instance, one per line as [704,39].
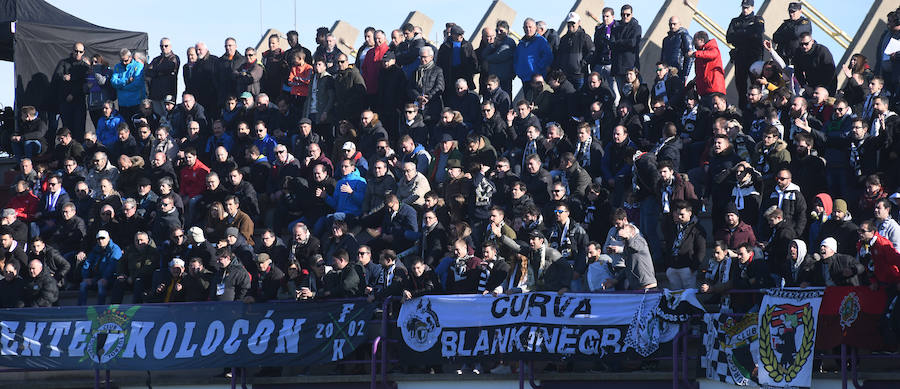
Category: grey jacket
[638,271]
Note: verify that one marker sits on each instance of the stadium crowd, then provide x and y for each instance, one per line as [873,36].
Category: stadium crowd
[299,174]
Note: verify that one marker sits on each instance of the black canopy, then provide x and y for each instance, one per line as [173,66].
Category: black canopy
[43,36]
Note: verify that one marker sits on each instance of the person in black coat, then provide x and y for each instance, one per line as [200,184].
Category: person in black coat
[40,290]
[563,98]
[467,64]
[492,271]
[588,150]
[343,280]
[777,245]
[814,65]
[574,52]
[685,248]
[745,33]
[231,281]
[267,281]
[426,85]
[52,262]
[421,281]
[625,42]
[392,277]
[12,287]
[433,240]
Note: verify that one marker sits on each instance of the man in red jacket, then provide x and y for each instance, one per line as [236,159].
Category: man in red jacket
[193,180]
[709,73]
[877,254]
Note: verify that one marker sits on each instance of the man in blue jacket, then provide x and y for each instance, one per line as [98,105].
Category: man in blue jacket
[128,80]
[98,267]
[676,48]
[349,191]
[533,54]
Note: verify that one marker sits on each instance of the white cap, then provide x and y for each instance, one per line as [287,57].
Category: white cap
[102,234]
[830,243]
[176,262]
[348,145]
[573,17]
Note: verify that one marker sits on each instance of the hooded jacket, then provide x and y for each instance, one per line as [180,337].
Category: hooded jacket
[791,201]
[709,73]
[129,83]
[815,226]
[350,203]
[804,269]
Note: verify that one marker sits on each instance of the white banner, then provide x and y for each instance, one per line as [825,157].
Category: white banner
[787,337]
[540,324]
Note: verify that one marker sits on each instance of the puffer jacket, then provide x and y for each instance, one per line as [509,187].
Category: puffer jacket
[675,47]
[101,262]
[533,55]
[350,203]
[129,83]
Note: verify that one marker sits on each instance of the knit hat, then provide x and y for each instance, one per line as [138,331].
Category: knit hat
[232,231]
[840,205]
[731,207]
[830,243]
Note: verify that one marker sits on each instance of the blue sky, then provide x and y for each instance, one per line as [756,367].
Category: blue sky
[186,22]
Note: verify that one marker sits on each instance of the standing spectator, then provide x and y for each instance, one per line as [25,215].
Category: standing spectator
[98,267]
[128,79]
[349,91]
[328,49]
[457,60]
[677,47]
[370,66]
[601,64]
[814,65]
[575,51]
[533,54]
[99,88]
[551,35]
[625,42]
[226,73]
[299,80]
[571,240]
[787,197]
[502,59]
[231,282]
[709,74]
[203,76]
[426,86]
[876,253]
[68,81]
[162,75]
[249,73]
[273,73]
[787,36]
[638,273]
[884,65]
[745,33]
[686,240]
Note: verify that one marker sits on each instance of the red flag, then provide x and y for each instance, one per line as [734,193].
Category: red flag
[850,315]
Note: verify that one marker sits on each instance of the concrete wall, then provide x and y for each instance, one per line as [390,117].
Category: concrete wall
[419,19]
[866,39]
[498,10]
[581,7]
[651,44]
[263,44]
[346,36]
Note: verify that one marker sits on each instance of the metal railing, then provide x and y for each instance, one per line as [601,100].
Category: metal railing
[819,19]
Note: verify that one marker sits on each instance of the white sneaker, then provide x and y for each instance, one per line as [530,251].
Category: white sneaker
[459,372]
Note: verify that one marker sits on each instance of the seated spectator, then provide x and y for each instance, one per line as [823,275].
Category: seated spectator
[720,274]
[28,138]
[343,280]
[12,287]
[421,281]
[269,279]
[98,267]
[840,269]
[168,285]
[41,289]
[231,282]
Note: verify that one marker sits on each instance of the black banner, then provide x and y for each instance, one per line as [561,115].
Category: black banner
[180,336]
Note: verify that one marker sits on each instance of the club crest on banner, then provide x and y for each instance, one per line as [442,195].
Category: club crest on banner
[849,310]
[109,332]
[421,327]
[787,337]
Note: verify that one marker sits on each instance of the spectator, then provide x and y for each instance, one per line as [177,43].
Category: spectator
[12,287]
[421,281]
[135,270]
[343,280]
[231,282]
[720,274]
[69,77]
[625,42]
[575,51]
[709,73]
[41,289]
[98,267]
[638,273]
[128,79]
[676,48]
[814,65]
[533,53]
[735,231]
[456,58]
[840,269]
[265,286]
[876,253]
[787,197]
[27,139]
[687,247]
[162,75]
